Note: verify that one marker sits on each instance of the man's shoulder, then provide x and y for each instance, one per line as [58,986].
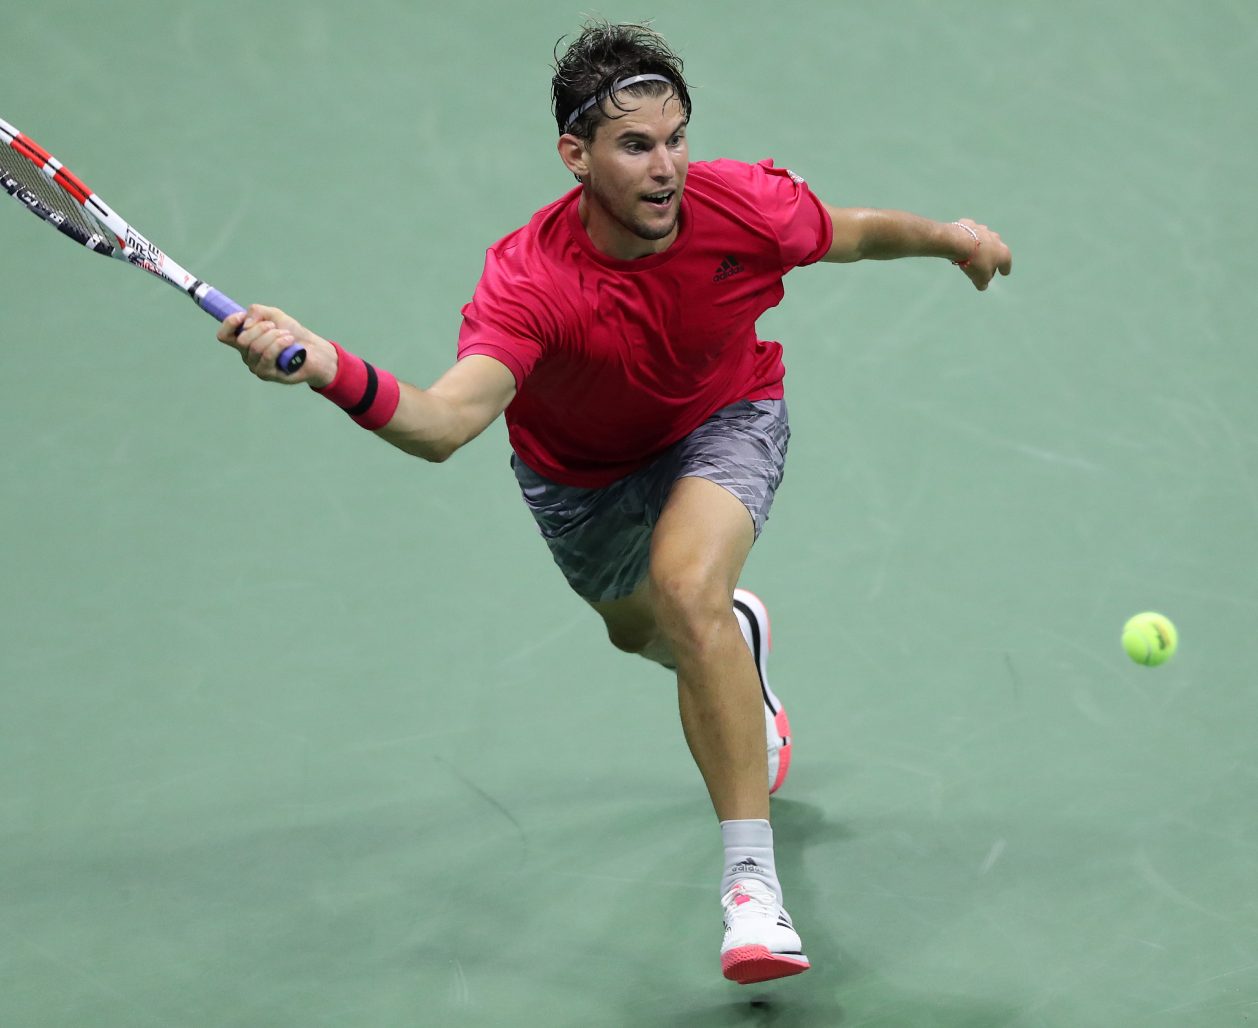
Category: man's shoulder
[544,233]
[738,178]
[724,169]
[530,268]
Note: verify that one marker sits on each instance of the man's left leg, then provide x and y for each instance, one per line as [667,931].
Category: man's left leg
[632,627]
[684,613]
[698,549]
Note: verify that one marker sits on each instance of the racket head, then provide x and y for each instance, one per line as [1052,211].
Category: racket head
[56,198]
[67,203]
[49,190]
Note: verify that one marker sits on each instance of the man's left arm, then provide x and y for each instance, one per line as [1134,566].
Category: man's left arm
[864,234]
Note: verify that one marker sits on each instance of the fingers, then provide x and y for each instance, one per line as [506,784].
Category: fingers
[240,329]
[260,312]
[1001,258]
[260,345]
[230,327]
[263,351]
[992,256]
[260,335]
[251,333]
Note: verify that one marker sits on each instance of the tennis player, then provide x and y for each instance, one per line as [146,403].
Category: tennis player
[617,330]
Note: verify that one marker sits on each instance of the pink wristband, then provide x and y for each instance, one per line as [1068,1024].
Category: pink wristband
[366,394]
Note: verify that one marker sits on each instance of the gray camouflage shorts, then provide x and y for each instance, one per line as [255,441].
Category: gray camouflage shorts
[601,538]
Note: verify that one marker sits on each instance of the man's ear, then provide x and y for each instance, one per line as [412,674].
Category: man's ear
[574,155]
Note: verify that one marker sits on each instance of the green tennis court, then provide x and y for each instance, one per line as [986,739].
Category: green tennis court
[300,731]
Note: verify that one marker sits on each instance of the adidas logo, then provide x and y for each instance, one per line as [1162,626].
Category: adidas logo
[746,866]
[729,267]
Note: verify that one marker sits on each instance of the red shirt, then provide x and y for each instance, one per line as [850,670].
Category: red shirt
[616,360]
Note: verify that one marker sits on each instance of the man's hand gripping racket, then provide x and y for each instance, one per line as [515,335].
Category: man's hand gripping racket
[46,188]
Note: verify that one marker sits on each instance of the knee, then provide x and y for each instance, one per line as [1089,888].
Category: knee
[691,606]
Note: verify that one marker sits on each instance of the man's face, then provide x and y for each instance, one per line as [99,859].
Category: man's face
[636,166]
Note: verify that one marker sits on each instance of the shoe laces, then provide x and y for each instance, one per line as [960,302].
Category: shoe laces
[750,896]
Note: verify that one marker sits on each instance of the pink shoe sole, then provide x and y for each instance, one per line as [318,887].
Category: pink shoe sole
[782,725]
[747,965]
[784,754]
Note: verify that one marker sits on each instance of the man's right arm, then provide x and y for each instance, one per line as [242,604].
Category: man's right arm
[432,423]
[429,423]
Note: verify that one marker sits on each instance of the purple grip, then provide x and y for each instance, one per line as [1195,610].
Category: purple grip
[222,307]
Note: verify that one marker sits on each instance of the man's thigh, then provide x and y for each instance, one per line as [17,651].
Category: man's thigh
[602,539]
[700,544]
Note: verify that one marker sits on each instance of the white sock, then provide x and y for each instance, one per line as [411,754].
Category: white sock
[749,854]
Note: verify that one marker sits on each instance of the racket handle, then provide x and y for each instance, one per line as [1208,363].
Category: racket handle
[291,358]
[223,307]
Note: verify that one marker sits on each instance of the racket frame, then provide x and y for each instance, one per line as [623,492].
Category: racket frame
[133,247]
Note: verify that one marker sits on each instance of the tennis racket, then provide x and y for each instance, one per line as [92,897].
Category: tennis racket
[50,191]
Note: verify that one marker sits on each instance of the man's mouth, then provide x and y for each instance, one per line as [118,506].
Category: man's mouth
[660,200]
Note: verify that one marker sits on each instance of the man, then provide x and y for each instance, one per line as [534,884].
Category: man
[617,332]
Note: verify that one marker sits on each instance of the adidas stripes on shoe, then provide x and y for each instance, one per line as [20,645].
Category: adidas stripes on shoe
[760,942]
[753,619]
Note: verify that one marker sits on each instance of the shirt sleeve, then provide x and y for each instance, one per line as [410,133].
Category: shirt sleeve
[510,317]
[799,220]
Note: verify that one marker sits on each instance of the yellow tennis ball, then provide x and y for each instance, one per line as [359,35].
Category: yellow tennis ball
[1150,639]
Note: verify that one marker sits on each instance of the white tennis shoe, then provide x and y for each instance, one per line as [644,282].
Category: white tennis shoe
[760,942]
[753,619]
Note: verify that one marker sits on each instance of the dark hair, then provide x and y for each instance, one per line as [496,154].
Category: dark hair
[602,55]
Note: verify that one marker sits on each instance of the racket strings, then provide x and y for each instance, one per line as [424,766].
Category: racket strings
[51,195]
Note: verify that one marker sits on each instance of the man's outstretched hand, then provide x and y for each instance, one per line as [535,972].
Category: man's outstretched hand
[266,333]
[992,255]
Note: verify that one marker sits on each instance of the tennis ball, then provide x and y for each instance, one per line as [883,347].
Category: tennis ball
[1150,639]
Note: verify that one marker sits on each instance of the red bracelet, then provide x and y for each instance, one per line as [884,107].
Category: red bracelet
[367,395]
[966,263]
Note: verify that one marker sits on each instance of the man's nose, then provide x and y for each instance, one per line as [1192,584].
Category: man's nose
[661,163]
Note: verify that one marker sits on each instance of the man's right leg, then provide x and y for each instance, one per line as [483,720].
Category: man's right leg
[631,625]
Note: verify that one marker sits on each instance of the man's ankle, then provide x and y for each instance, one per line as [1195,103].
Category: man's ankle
[749,854]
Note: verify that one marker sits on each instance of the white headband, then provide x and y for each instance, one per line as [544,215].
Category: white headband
[615,87]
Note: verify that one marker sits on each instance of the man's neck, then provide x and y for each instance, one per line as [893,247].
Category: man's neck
[610,237]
